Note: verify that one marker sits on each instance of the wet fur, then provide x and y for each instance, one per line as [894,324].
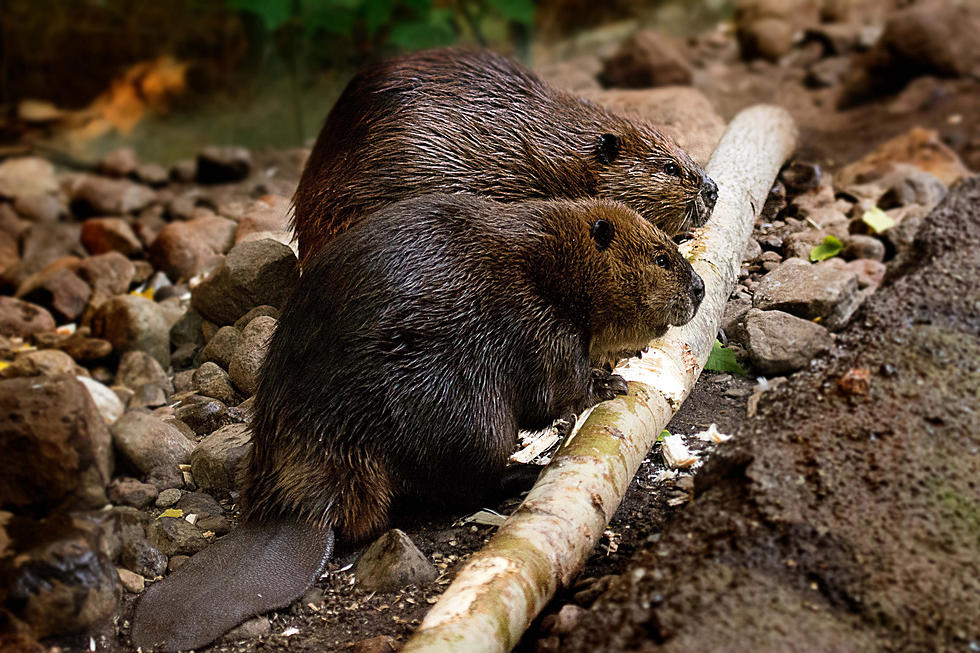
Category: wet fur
[414,348]
[454,121]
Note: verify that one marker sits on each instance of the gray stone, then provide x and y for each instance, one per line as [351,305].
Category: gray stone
[92,195]
[258,311]
[200,504]
[137,368]
[217,165]
[221,347]
[22,176]
[212,381]
[810,292]
[218,459]
[134,323]
[148,443]
[147,396]
[254,273]
[40,207]
[779,343]
[131,581]
[175,536]
[257,627]
[858,246]
[244,366]
[23,319]
[392,563]
[799,244]
[187,330]
[130,492]
[203,414]
[168,497]
[106,401]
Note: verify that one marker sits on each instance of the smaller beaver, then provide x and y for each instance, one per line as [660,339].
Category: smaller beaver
[414,348]
[453,120]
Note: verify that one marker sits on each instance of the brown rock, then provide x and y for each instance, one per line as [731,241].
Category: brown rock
[682,112]
[9,251]
[392,563]
[217,165]
[247,360]
[23,319]
[55,449]
[43,362]
[57,288]
[217,461]
[101,235]
[377,644]
[108,275]
[92,195]
[27,176]
[133,323]
[42,244]
[182,249]
[855,381]
[920,147]
[40,207]
[120,162]
[269,213]
[574,75]
[648,58]
[175,536]
[138,368]
[147,442]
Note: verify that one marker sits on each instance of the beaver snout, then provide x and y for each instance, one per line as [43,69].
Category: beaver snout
[686,305]
[709,193]
[697,290]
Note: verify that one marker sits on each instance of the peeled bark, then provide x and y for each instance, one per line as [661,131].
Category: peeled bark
[545,542]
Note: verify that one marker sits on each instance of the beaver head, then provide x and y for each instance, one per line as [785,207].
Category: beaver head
[623,275]
[644,168]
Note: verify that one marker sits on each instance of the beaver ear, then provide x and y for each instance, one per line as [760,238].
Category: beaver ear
[609,147]
[602,233]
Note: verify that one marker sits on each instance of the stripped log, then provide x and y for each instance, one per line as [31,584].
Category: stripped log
[544,544]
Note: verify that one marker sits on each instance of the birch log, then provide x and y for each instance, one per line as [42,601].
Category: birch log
[545,542]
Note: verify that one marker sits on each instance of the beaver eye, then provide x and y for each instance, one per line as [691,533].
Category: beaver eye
[609,147]
[673,169]
[662,261]
[602,232]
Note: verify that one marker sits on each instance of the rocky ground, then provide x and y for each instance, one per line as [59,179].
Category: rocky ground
[843,515]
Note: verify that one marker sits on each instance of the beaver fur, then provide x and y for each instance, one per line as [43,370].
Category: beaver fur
[453,120]
[414,348]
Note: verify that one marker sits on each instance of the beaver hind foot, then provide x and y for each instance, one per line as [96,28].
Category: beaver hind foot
[264,567]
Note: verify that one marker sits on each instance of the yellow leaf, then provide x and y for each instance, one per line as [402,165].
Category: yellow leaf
[172,512]
[148,293]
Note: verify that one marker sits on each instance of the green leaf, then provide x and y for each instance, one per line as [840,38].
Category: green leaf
[377,14]
[878,220]
[722,360]
[829,248]
[663,434]
[273,13]
[518,11]
[433,32]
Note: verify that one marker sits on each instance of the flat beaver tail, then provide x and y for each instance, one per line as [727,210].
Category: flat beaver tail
[254,569]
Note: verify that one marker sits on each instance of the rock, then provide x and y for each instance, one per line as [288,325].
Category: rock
[168,498]
[184,249]
[133,323]
[23,176]
[203,415]
[257,627]
[152,174]
[731,321]
[183,357]
[147,443]
[40,207]
[184,171]
[218,459]
[217,524]
[101,235]
[376,644]
[801,176]
[648,58]
[564,621]
[768,38]
[810,292]
[137,368]
[253,273]
[683,113]
[392,563]
[218,165]
[187,330]
[108,275]
[269,213]
[779,343]
[799,244]
[907,184]
[55,449]
[9,251]
[92,195]
[41,245]
[173,309]
[928,38]
[131,581]
[858,246]
[139,556]
[22,319]
[43,362]
[200,504]
[175,536]
[222,346]
[176,562]
[258,311]
[574,75]
[827,73]
[212,381]
[245,363]
[58,580]
[106,401]
[920,147]
[120,162]
[870,272]
[130,492]
[57,288]
[147,396]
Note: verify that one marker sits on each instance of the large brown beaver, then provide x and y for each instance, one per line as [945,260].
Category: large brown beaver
[415,346]
[453,120]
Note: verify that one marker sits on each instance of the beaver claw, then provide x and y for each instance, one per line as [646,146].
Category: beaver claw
[606,385]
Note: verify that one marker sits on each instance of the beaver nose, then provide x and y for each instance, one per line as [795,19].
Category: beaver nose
[697,289]
[709,192]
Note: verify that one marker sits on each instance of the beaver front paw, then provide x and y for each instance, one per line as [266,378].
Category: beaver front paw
[606,385]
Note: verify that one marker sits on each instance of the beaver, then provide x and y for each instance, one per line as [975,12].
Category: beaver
[414,347]
[455,120]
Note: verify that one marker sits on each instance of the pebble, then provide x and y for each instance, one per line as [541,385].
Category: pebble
[22,319]
[810,292]
[92,195]
[131,582]
[212,381]
[217,460]
[203,415]
[175,536]
[647,58]
[56,451]
[168,497]
[392,563]
[245,363]
[185,249]
[859,246]
[200,504]
[57,288]
[217,165]
[102,235]
[106,401]
[221,347]
[137,368]
[257,627]
[147,395]
[134,323]
[130,492]
[139,556]
[779,343]
[24,176]
[268,214]
[43,362]
[148,443]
